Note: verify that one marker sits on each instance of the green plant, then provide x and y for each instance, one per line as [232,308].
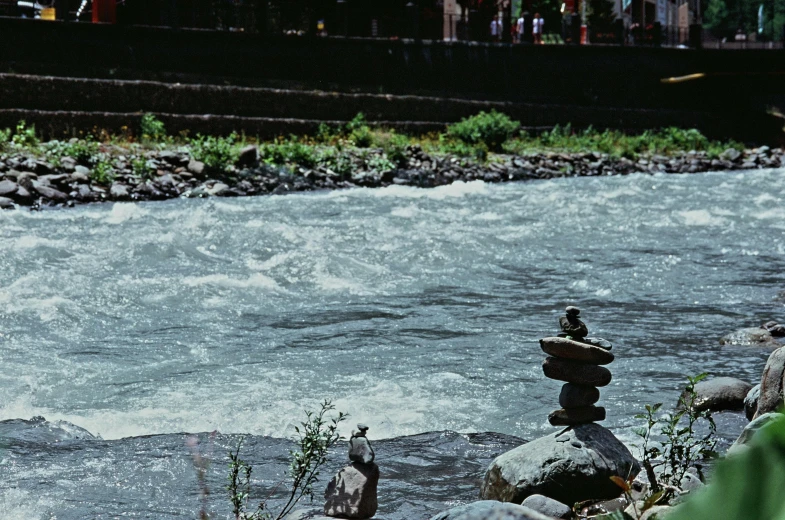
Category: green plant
[289,151]
[82,151]
[672,443]
[5,138]
[341,162]
[316,435]
[151,128]
[489,128]
[25,137]
[744,486]
[359,132]
[141,169]
[102,172]
[379,163]
[215,152]
[395,147]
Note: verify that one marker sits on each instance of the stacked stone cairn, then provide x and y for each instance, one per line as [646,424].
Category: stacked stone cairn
[352,492]
[577,360]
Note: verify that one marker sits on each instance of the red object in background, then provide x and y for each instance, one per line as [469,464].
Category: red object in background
[104,11]
[570,6]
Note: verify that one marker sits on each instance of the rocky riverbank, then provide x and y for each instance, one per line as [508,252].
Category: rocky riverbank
[36,181]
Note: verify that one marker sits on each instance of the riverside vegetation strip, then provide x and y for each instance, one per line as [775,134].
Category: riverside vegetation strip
[150,165]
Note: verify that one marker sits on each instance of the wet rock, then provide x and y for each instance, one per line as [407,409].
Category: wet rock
[751,402]
[731,154]
[82,170]
[755,336]
[196,167]
[569,466]
[576,373]
[8,187]
[80,177]
[576,396]
[352,492]
[22,195]
[6,203]
[771,383]
[49,193]
[119,191]
[169,157]
[218,189]
[751,430]
[573,416]
[249,156]
[490,510]
[25,180]
[721,393]
[548,507]
[775,329]
[306,514]
[569,349]
[598,342]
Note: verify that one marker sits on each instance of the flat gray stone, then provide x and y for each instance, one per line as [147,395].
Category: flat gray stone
[6,203]
[490,510]
[7,187]
[572,471]
[49,193]
[577,396]
[576,373]
[548,506]
[119,191]
[568,349]
[573,416]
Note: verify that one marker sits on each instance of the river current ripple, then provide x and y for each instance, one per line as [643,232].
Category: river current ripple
[128,326]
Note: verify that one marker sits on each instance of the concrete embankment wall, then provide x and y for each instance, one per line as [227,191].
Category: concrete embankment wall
[607,86]
[59,105]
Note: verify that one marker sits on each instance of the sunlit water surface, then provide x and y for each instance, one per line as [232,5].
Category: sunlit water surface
[415,310]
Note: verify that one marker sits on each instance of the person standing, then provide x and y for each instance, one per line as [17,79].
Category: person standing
[519,29]
[496,29]
[537,28]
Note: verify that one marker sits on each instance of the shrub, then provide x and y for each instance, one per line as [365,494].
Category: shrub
[395,146]
[318,434]
[24,136]
[82,150]
[152,129]
[359,132]
[102,172]
[672,443]
[215,152]
[340,162]
[5,138]
[491,129]
[291,151]
[141,169]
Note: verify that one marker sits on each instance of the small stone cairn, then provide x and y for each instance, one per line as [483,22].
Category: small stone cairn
[577,360]
[352,492]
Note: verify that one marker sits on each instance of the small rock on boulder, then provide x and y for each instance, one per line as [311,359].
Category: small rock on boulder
[352,492]
[751,402]
[548,506]
[490,510]
[568,466]
[571,416]
[721,393]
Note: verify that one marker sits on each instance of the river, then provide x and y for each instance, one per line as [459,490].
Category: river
[415,310]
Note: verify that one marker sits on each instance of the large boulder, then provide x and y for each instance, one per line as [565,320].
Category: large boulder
[755,336]
[548,507]
[751,402]
[490,510]
[749,432]
[352,492]
[771,395]
[721,393]
[569,466]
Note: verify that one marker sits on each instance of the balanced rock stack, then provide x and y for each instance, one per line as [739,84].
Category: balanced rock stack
[577,360]
[352,492]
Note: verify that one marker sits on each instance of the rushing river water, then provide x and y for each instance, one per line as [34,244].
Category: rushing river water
[415,310]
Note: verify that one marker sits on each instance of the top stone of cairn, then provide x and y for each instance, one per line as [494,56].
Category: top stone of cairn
[571,325]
